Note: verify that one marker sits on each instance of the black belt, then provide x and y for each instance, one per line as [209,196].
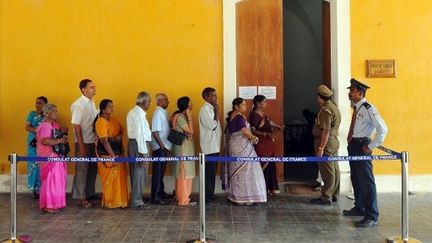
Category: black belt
[359,139]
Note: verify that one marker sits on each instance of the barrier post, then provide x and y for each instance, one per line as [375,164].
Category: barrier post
[202,197]
[202,230]
[405,205]
[13,192]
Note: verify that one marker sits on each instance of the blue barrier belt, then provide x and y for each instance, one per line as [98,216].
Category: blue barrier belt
[387,150]
[211,159]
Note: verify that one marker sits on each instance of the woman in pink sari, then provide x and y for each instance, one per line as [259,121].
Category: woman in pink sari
[52,195]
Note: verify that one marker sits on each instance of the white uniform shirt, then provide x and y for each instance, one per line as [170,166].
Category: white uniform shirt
[138,128]
[210,130]
[367,121]
[160,123]
[84,113]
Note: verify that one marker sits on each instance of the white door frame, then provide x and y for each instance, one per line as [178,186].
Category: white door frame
[340,61]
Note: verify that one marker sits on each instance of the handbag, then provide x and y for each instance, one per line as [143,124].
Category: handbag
[175,137]
[33,142]
[115,144]
[60,148]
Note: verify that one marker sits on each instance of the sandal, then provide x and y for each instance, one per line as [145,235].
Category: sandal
[245,204]
[85,204]
[190,204]
[50,210]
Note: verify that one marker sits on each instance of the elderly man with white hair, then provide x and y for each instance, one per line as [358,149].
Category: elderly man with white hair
[139,135]
[161,146]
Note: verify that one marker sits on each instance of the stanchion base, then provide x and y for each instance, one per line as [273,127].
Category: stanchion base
[398,238]
[11,241]
[199,241]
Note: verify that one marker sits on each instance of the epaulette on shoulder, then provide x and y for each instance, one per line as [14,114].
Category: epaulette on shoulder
[328,110]
[367,105]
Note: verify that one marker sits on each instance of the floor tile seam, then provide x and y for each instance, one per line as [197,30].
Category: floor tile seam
[181,230]
[124,237]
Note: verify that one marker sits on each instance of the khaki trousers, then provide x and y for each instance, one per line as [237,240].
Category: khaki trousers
[330,174]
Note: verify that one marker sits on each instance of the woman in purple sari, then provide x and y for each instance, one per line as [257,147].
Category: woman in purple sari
[52,196]
[243,181]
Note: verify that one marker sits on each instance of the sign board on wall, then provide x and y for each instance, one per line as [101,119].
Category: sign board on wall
[380,68]
[268,91]
[247,92]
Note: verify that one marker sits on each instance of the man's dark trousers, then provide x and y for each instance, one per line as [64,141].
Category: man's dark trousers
[158,171]
[210,177]
[363,180]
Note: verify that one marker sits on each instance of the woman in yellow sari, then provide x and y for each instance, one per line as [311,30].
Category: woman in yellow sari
[109,145]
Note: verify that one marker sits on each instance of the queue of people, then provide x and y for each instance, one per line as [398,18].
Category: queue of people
[99,133]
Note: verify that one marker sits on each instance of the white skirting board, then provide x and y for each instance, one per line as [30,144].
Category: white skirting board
[385,183]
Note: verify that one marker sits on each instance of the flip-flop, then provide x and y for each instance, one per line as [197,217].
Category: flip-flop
[49,210]
[191,204]
[85,204]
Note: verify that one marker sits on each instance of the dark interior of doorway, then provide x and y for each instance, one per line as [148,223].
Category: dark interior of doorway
[314,19]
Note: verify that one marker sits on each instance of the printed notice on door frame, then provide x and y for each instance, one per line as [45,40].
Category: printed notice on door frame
[247,92]
[268,91]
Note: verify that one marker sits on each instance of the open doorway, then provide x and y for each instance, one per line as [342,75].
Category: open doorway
[306,45]
[340,60]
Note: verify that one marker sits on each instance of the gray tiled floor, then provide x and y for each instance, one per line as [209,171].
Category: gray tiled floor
[283,219]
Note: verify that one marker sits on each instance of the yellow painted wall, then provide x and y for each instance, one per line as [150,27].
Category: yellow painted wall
[48,46]
[400,30]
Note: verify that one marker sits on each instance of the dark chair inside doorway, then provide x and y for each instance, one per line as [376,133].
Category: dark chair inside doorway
[300,177]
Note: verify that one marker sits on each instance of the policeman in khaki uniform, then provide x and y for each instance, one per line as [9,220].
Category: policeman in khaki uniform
[325,133]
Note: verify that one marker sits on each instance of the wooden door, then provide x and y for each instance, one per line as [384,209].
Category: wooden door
[259,40]
[326,40]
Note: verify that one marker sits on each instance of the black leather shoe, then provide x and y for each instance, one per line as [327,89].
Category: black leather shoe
[160,202]
[94,197]
[319,201]
[214,197]
[142,206]
[315,184]
[35,195]
[167,196]
[334,199]
[353,212]
[365,223]
[212,203]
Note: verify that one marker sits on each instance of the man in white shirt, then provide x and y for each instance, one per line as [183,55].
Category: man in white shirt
[160,146]
[139,135]
[210,139]
[84,113]
[365,121]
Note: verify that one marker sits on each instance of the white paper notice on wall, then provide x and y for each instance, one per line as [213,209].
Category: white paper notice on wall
[268,91]
[247,92]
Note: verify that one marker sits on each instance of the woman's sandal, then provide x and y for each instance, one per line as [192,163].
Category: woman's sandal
[50,210]
[85,204]
[190,204]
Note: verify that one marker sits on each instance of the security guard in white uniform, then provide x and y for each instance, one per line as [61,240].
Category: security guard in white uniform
[365,121]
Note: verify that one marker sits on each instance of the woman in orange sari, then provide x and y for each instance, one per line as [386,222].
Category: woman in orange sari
[113,175]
